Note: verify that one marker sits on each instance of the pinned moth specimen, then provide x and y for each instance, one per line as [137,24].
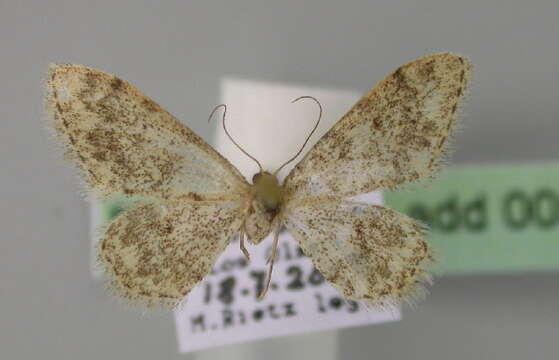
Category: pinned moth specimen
[156,252]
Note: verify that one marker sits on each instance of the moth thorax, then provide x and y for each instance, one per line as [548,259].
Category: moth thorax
[268,191]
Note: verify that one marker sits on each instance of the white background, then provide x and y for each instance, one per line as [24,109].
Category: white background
[176,53]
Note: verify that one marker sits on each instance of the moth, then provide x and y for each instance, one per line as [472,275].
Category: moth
[155,253]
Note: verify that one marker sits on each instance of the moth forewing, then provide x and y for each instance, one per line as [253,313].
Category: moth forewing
[126,143]
[395,134]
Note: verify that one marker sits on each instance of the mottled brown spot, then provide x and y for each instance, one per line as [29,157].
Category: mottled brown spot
[116,84]
[71,139]
[100,156]
[441,142]
[195,196]
[377,122]
[149,105]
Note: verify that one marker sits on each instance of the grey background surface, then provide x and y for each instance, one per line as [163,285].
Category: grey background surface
[176,52]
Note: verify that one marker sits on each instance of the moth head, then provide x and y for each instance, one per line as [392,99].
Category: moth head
[263,176]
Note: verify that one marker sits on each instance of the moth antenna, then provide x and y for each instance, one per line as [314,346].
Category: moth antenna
[229,135]
[308,137]
[271,260]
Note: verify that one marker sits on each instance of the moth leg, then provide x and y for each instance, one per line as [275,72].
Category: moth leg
[242,232]
[242,243]
[270,262]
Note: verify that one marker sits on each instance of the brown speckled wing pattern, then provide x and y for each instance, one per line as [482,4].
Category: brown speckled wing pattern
[156,253]
[125,143]
[396,134]
[367,252]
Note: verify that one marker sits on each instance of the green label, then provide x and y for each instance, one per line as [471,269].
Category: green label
[112,208]
[489,219]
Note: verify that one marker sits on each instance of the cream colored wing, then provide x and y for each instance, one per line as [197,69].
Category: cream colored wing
[126,143]
[397,133]
[155,254]
[367,252]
